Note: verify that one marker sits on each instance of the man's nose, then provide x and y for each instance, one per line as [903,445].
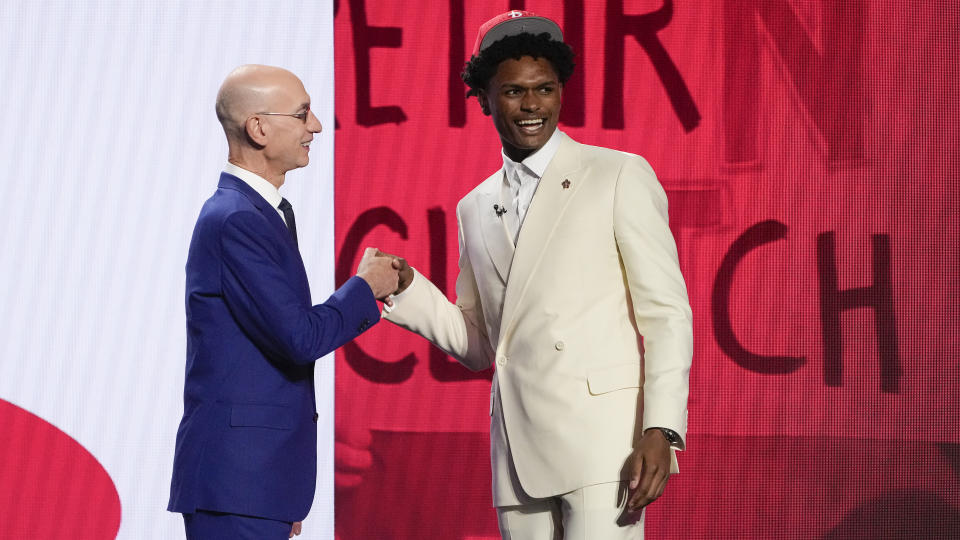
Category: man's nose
[530,101]
[313,123]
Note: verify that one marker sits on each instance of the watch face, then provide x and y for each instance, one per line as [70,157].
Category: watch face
[671,435]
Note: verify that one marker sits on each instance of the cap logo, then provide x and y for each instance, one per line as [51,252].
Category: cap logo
[507,24]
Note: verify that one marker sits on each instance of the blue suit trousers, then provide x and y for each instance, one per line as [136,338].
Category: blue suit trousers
[204,525]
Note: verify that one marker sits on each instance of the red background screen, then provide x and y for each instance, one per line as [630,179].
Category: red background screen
[809,153]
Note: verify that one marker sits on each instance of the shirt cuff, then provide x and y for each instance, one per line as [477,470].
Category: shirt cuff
[397,298]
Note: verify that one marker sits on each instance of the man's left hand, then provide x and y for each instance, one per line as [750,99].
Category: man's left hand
[296,529]
[405,271]
[648,469]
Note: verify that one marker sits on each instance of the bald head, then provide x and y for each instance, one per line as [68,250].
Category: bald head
[265,113]
[251,89]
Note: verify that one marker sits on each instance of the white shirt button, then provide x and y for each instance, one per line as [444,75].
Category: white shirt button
[559,345]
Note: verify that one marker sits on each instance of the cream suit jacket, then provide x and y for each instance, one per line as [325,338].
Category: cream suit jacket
[562,314]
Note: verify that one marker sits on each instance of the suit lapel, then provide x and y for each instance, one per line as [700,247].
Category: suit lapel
[546,210]
[269,212]
[496,238]
[228,181]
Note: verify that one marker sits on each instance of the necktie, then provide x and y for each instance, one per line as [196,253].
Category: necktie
[287,210]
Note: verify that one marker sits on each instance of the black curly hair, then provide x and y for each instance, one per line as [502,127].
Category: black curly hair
[482,67]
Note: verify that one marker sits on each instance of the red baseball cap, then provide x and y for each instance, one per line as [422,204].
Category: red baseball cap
[512,23]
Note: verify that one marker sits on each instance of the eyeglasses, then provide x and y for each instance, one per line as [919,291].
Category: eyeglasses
[302,116]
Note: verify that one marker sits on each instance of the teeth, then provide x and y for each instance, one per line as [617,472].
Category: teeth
[305,144]
[530,122]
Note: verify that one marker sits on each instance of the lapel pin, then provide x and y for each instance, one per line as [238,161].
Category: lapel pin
[565,183]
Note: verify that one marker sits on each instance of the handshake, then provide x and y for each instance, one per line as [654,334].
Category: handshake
[385,274]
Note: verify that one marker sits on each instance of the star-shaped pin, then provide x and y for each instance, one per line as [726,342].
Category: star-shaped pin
[565,184]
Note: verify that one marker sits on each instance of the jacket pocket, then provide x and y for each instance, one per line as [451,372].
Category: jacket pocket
[258,415]
[616,377]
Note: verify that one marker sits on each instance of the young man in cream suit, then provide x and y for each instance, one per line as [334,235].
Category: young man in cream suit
[569,283]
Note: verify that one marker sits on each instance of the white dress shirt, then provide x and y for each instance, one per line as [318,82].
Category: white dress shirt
[265,189]
[520,181]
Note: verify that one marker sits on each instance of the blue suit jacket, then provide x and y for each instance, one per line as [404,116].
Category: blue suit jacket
[247,441]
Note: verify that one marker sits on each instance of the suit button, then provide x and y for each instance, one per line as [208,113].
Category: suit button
[559,345]
[501,360]
[316,416]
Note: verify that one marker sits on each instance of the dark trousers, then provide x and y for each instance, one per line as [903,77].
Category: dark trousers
[205,525]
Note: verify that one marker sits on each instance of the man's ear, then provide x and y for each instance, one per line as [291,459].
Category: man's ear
[256,130]
[484,104]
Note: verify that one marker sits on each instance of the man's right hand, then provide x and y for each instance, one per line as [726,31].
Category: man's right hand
[406,271]
[380,272]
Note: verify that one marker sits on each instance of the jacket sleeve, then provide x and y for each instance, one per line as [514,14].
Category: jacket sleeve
[658,294]
[270,310]
[457,329]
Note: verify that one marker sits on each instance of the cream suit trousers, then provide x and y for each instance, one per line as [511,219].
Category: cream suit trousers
[593,512]
[588,513]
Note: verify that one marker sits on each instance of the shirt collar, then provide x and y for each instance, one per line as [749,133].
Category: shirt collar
[259,184]
[536,163]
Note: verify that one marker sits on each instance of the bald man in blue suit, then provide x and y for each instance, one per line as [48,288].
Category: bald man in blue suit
[246,452]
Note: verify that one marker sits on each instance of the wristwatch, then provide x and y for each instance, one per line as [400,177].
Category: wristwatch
[672,437]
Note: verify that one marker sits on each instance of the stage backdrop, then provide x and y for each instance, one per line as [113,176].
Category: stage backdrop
[809,154]
[109,149]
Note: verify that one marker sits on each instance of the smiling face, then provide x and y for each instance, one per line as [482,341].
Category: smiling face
[265,113]
[288,145]
[523,98]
